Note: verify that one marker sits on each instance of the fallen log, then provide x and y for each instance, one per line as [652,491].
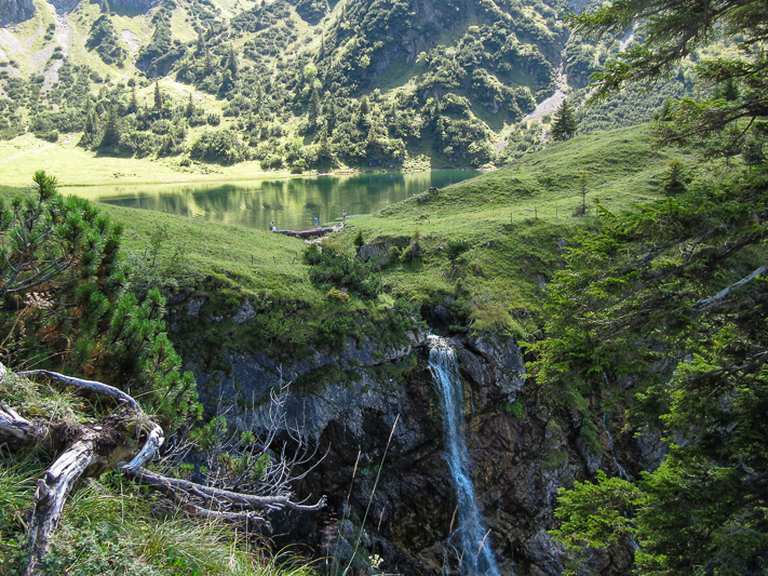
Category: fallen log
[95,443]
[51,494]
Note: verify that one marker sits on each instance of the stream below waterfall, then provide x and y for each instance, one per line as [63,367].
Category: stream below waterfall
[476,553]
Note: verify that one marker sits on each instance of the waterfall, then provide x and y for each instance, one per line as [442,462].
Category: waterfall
[477,558]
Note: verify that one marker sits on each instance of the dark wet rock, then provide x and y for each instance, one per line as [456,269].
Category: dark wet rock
[348,400]
[245,313]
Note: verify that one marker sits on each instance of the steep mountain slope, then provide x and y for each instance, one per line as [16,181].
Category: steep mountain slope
[303,83]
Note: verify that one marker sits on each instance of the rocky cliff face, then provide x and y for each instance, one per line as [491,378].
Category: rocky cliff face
[15,11]
[348,402]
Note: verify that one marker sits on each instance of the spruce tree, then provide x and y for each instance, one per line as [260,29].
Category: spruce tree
[674,182]
[190,111]
[158,97]
[111,138]
[231,65]
[754,151]
[329,112]
[315,108]
[227,83]
[133,105]
[91,129]
[565,125]
[200,46]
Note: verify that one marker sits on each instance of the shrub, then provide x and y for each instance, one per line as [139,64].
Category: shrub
[338,295]
[413,252]
[674,179]
[335,269]
[220,146]
[456,248]
[48,135]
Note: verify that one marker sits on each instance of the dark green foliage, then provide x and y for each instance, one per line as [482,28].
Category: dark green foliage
[674,180]
[637,104]
[158,97]
[333,268]
[635,304]
[63,305]
[219,146]
[456,248]
[104,40]
[158,57]
[311,10]
[754,148]
[110,139]
[672,31]
[48,135]
[565,125]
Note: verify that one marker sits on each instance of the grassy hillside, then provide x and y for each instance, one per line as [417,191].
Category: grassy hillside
[493,240]
[487,245]
[485,250]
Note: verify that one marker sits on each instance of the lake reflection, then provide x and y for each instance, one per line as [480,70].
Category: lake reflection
[291,203]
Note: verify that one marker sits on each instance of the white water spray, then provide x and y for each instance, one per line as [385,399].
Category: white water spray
[477,558]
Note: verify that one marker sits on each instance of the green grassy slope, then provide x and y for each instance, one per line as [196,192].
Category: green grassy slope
[488,247]
[511,222]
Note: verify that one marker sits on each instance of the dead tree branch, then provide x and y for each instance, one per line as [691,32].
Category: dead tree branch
[52,491]
[723,295]
[95,443]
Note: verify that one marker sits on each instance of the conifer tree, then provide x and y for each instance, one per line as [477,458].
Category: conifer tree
[363,118]
[91,129]
[754,151]
[315,108]
[190,110]
[200,46]
[674,182]
[158,97]
[329,112]
[565,125]
[231,64]
[111,137]
[133,105]
[227,83]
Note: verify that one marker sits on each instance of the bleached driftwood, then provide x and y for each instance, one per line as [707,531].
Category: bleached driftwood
[51,494]
[93,444]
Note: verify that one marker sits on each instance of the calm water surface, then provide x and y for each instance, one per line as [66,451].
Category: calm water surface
[295,203]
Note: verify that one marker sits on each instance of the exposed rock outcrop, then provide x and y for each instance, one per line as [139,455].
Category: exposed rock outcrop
[15,11]
[348,401]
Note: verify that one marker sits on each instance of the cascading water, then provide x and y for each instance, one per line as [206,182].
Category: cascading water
[477,558]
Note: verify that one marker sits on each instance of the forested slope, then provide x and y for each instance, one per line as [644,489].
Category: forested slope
[291,84]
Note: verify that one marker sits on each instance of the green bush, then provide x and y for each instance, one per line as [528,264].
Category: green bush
[335,269]
[220,146]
